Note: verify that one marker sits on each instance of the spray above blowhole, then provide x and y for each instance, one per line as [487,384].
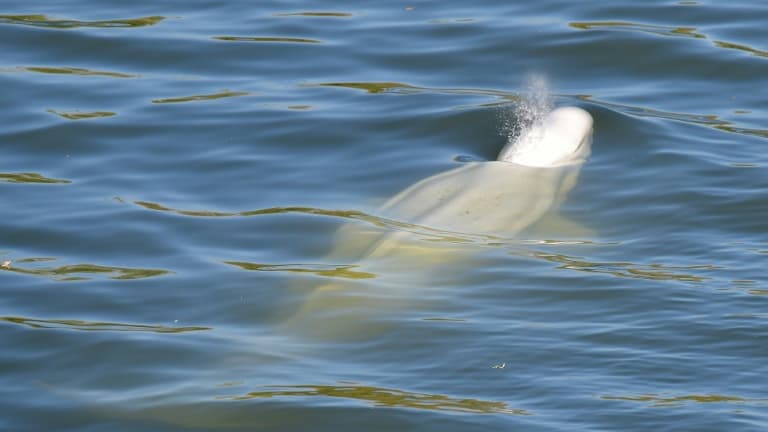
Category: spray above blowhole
[540,136]
[535,104]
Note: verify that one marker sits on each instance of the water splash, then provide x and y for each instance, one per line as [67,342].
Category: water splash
[536,103]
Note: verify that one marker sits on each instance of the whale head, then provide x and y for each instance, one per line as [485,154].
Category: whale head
[563,137]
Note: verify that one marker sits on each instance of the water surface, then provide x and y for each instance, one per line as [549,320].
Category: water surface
[173,178]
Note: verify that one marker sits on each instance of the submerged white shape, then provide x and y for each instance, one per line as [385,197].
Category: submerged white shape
[503,198]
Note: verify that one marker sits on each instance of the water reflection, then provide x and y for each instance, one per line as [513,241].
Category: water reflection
[327,270]
[627,269]
[45,21]
[315,14]
[665,31]
[423,232]
[384,397]
[505,98]
[72,324]
[656,400]
[347,214]
[709,120]
[266,39]
[402,88]
[30,178]
[740,47]
[762,133]
[76,71]
[205,97]
[452,21]
[79,115]
[428,239]
[371,87]
[647,28]
[82,271]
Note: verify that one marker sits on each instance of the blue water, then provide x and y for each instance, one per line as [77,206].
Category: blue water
[174,177]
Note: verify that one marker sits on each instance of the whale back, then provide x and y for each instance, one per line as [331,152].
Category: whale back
[562,137]
[493,198]
[434,228]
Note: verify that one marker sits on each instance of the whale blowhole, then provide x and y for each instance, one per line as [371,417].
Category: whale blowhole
[545,137]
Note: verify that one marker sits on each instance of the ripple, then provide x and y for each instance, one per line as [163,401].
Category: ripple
[82,271]
[445,319]
[452,20]
[657,400]
[629,270]
[315,14]
[76,71]
[762,133]
[640,111]
[646,28]
[370,87]
[80,115]
[384,397]
[30,178]
[424,232]
[204,97]
[401,88]
[740,47]
[349,214]
[45,21]
[327,270]
[273,39]
[689,32]
[709,120]
[70,324]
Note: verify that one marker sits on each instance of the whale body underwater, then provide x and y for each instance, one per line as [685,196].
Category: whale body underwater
[503,198]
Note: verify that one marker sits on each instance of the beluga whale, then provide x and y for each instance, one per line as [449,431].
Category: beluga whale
[530,177]
[423,230]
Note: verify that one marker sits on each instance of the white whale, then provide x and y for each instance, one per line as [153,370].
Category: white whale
[530,178]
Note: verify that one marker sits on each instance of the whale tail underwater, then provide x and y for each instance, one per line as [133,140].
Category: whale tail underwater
[503,198]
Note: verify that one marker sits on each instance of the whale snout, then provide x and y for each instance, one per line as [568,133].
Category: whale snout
[563,137]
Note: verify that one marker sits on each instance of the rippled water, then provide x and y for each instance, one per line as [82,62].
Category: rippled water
[181,181]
